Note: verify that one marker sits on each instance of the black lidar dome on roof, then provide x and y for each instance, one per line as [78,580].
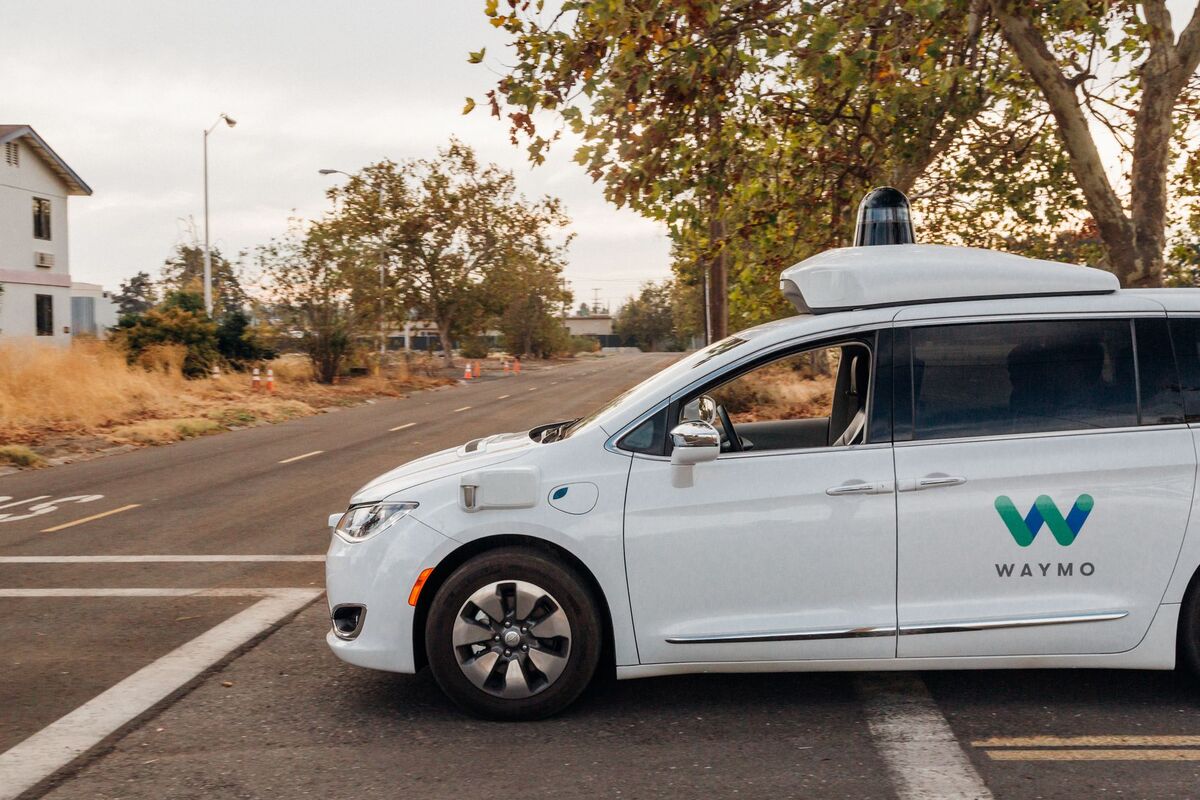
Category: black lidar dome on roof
[883,218]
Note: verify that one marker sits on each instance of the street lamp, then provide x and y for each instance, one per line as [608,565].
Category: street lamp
[382,283]
[208,299]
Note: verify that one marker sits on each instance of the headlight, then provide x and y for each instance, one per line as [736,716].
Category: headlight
[363,522]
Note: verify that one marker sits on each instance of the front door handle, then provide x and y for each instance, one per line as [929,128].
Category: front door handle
[930,482]
[860,487]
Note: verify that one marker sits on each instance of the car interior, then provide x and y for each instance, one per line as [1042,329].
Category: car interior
[817,398]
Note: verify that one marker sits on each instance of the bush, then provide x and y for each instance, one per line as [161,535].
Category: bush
[19,455]
[584,344]
[179,320]
[238,342]
[475,347]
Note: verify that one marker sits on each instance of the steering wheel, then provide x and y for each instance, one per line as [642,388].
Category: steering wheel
[735,441]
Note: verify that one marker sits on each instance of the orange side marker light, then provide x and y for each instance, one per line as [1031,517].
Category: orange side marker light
[416,590]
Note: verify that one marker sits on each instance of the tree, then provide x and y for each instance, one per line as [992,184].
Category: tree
[1150,78]
[530,302]
[137,295]
[584,310]
[444,226]
[309,275]
[184,271]
[239,342]
[648,319]
[752,127]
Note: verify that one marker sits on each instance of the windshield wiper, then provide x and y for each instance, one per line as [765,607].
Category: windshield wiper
[552,432]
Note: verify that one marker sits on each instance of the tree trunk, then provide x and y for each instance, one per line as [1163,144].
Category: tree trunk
[1135,241]
[447,344]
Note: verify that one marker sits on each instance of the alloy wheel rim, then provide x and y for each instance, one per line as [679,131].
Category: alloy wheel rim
[512,639]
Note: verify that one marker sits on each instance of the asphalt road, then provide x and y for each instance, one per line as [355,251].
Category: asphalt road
[229,691]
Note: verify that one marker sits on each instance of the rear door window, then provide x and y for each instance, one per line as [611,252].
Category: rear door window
[1002,378]
[1185,335]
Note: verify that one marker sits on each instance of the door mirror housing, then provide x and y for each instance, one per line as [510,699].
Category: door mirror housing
[694,442]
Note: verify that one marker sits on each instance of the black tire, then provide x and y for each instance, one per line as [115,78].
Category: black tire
[568,591]
[1189,629]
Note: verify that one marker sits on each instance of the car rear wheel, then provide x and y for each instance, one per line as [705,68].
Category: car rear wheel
[513,634]
[1189,629]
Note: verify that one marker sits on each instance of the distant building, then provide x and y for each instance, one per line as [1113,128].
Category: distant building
[93,311]
[594,326]
[35,270]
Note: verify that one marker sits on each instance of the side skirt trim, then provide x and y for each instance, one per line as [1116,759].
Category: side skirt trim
[959,626]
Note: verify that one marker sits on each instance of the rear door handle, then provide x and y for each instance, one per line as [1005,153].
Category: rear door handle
[860,487]
[930,482]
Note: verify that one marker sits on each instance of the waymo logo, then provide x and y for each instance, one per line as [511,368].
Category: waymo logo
[1044,511]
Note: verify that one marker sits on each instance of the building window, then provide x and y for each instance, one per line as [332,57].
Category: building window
[41,218]
[12,154]
[45,314]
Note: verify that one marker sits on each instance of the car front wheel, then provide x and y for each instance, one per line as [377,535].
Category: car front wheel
[513,634]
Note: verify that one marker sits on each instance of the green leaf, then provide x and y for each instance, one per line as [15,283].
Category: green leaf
[476,56]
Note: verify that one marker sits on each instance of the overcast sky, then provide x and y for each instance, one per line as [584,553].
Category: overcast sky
[123,90]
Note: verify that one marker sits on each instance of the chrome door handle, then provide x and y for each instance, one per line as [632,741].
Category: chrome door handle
[859,487]
[930,482]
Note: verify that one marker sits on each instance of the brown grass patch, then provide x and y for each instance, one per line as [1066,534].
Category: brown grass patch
[48,393]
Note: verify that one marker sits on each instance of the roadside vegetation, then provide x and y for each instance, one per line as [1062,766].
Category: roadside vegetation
[61,402]
[1065,130]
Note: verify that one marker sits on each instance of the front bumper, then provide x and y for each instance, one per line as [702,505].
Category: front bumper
[379,573]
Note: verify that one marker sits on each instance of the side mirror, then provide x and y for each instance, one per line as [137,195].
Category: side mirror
[694,442]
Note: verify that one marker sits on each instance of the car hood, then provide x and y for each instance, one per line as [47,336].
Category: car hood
[474,454]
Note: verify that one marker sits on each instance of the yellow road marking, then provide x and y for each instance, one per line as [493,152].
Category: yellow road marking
[402,427]
[464,408]
[1093,755]
[306,455]
[1088,741]
[66,525]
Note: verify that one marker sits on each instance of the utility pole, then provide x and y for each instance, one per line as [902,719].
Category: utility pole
[208,293]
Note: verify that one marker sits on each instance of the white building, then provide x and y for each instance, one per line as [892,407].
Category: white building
[35,270]
[93,310]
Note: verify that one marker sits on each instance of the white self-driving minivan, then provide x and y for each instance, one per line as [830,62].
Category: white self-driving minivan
[951,458]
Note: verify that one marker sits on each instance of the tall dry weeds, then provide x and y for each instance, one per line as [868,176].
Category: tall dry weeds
[85,386]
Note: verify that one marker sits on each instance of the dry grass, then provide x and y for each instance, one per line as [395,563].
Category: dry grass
[50,393]
[779,391]
[20,456]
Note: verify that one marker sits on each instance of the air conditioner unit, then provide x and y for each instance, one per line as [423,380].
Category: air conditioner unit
[43,259]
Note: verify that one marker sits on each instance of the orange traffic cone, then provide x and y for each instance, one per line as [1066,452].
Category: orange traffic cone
[516,366]
[256,381]
[270,380]
[467,371]
[504,363]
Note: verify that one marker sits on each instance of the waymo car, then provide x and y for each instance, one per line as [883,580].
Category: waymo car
[951,458]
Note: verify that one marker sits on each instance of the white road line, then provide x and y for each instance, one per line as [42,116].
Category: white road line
[62,741]
[22,502]
[464,408]
[922,755]
[306,455]
[533,388]
[165,591]
[504,397]
[160,559]
[402,427]
[102,514]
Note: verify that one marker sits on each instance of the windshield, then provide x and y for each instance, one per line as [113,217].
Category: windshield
[658,380]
